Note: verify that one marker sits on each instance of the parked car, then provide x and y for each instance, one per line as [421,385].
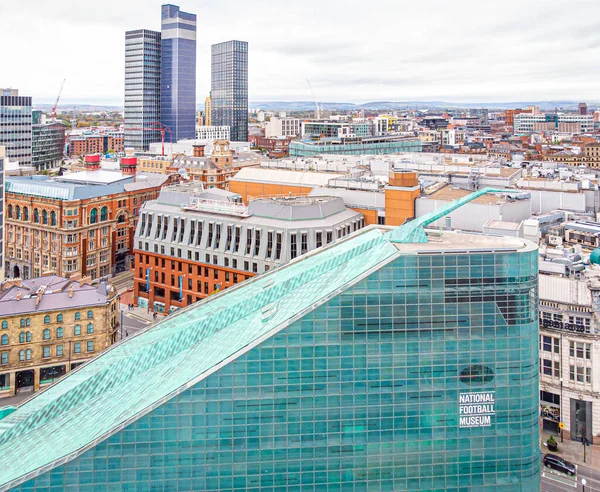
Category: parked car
[556,462]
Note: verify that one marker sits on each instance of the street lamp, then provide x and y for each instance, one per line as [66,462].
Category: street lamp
[561,402]
[583,484]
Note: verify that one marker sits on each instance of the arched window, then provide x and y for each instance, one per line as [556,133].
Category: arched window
[90,314]
[46,334]
[77,316]
[77,330]
[36,216]
[4,340]
[25,213]
[59,332]
[4,325]
[121,218]
[27,322]
[103,214]
[93,216]
[45,217]
[28,354]
[28,336]
[46,319]
[22,322]
[10,211]
[90,328]
[53,218]
[59,318]
[21,355]
[22,337]
[18,212]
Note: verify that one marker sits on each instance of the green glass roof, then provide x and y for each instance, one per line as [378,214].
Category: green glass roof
[139,374]
[135,376]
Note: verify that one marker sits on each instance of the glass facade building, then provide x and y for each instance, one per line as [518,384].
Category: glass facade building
[142,88]
[15,126]
[301,148]
[229,88]
[178,72]
[48,144]
[368,365]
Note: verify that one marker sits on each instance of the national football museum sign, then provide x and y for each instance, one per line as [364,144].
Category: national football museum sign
[477,409]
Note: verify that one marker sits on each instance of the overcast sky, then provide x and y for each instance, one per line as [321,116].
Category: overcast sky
[352,51]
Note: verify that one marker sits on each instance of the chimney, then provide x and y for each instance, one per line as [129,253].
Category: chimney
[199,150]
[129,165]
[71,291]
[19,295]
[92,162]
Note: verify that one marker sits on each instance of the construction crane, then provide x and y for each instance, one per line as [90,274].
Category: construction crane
[319,108]
[53,113]
[156,126]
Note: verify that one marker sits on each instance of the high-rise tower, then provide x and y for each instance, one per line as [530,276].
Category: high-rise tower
[229,84]
[142,87]
[15,126]
[178,72]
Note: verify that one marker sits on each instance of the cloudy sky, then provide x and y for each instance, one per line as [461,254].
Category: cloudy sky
[352,51]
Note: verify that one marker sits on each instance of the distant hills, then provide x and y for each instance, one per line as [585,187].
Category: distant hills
[345,106]
[390,105]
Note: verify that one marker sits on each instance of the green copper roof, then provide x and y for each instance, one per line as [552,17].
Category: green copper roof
[133,377]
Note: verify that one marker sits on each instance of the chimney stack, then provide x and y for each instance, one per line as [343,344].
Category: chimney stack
[129,165]
[92,162]
[71,291]
[199,150]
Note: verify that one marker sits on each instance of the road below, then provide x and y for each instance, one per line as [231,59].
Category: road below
[553,481]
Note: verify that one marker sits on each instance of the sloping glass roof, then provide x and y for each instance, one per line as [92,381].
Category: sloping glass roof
[139,374]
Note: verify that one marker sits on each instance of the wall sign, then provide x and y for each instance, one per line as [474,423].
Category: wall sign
[476,409]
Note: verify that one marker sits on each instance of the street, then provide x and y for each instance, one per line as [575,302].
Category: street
[132,322]
[553,481]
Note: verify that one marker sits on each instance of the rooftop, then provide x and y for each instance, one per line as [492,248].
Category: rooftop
[449,193]
[51,293]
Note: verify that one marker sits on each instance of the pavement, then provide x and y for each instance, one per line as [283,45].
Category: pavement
[572,451]
[137,318]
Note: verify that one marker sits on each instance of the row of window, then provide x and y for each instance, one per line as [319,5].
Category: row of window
[579,350]
[24,322]
[25,355]
[25,337]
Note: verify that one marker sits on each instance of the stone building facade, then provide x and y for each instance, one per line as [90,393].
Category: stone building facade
[49,326]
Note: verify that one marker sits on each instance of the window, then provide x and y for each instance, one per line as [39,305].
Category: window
[46,334]
[59,350]
[90,346]
[4,325]
[319,239]
[46,352]
[4,340]
[21,355]
[77,347]
[90,314]
[59,318]
[4,358]
[77,316]
[46,319]
[28,354]
[103,214]
[59,333]
[293,247]
[580,350]
[588,374]
[90,328]
[22,337]
[45,217]
[22,322]
[36,215]
[28,336]
[53,218]
[547,367]
[93,216]
[77,330]
[28,322]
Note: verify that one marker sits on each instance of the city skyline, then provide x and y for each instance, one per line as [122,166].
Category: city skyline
[487,56]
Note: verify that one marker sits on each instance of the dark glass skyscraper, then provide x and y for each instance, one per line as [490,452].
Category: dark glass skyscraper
[178,72]
[142,87]
[229,88]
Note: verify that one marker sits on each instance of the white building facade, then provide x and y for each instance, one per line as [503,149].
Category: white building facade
[569,317]
[212,133]
[282,127]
